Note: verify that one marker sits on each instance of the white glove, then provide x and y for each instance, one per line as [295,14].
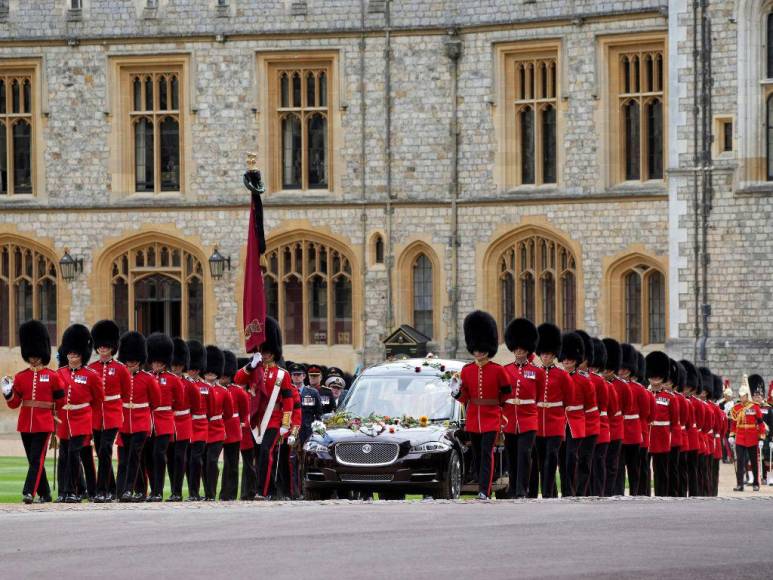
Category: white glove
[7,383]
[760,444]
[731,440]
[256,360]
[283,431]
[456,385]
[291,440]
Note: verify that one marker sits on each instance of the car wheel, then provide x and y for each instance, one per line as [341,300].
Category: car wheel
[451,487]
[391,496]
[315,494]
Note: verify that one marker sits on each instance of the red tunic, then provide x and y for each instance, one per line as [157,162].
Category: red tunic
[218,407]
[520,411]
[199,407]
[233,424]
[575,405]
[143,395]
[114,378]
[719,431]
[82,391]
[261,382]
[664,415]
[676,426]
[746,424]
[551,416]
[182,409]
[171,390]
[602,399]
[484,389]
[615,410]
[646,410]
[630,407]
[296,417]
[590,405]
[35,392]
[695,425]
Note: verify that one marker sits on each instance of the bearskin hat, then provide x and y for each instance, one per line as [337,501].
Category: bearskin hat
[521,333]
[692,378]
[215,361]
[35,341]
[231,364]
[197,356]
[105,333]
[599,354]
[480,333]
[587,345]
[756,385]
[549,339]
[630,361]
[273,343]
[658,366]
[572,347]
[132,348]
[717,393]
[682,376]
[160,348]
[614,354]
[180,356]
[642,374]
[76,338]
[707,382]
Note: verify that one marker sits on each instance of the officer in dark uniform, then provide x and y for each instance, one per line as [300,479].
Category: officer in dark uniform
[316,375]
[311,408]
[336,382]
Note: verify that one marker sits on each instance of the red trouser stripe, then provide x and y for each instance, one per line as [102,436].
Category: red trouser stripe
[41,466]
[267,482]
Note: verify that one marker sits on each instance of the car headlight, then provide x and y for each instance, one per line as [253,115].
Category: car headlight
[312,446]
[431,447]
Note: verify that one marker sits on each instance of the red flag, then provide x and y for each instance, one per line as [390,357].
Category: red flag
[254,299]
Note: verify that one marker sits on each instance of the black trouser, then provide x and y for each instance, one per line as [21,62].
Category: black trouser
[632,462]
[645,473]
[265,466]
[613,467]
[195,467]
[715,471]
[744,455]
[177,465]
[158,470]
[519,448]
[89,469]
[584,464]
[567,464]
[547,460]
[705,475]
[230,487]
[684,473]
[71,464]
[661,472]
[249,475]
[483,456]
[103,442]
[213,469]
[36,447]
[674,475]
[692,473]
[598,474]
[132,458]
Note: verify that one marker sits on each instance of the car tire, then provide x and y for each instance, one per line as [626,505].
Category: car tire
[451,486]
[315,494]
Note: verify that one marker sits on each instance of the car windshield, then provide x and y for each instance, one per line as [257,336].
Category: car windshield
[414,396]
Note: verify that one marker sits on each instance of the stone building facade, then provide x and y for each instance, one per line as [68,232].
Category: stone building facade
[531,158]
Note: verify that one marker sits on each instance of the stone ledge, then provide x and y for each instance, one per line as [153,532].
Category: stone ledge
[74,15]
[761,189]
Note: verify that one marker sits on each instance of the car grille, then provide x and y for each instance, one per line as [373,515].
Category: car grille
[366,454]
[366,477]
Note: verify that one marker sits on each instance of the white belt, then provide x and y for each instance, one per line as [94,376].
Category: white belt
[630,417]
[167,408]
[235,416]
[112,398]
[242,424]
[197,417]
[716,435]
[520,401]
[602,413]
[574,408]
[661,423]
[546,405]
[617,414]
[711,432]
[181,413]
[592,410]
[684,427]
[216,417]
[69,407]
[135,405]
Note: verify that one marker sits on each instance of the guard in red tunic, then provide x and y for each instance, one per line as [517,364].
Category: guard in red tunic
[747,433]
[219,407]
[599,468]
[178,447]
[107,417]
[288,482]
[674,385]
[691,444]
[571,356]
[551,413]
[482,386]
[199,421]
[240,406]
[143,396]
[646,408]
[160,355]
[628,391]
[664,414]
[615,410]
[34,391]
[248,383]
[720,432]
[705,426]
[82,392]
[519,412]
[592,423]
